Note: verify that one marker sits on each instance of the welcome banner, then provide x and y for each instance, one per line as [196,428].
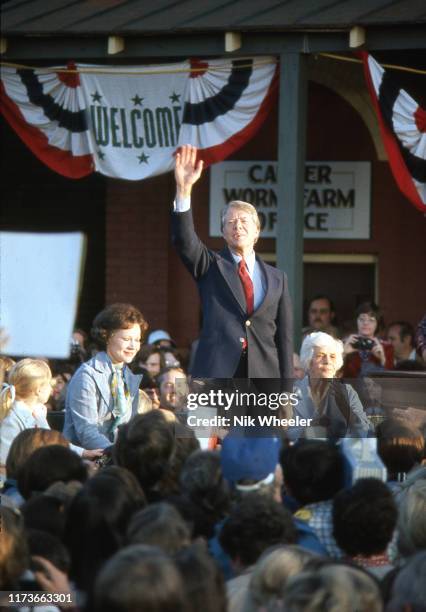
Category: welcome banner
[127,122]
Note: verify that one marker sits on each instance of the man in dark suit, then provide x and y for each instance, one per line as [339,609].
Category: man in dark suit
[247,316]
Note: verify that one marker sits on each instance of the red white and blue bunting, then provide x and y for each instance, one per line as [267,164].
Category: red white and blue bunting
[403,127]
[127,121]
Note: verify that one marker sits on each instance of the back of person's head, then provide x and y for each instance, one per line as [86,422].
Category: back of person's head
[334,588]
[49,547]
[249,461]
[144,446]
[312,470]
[159,525]
[409,588]
[184,445]
[202,578]
[97,521]
[271,573]
[254,524]
[400,447]
[13,547]
[28,441]
[46,514]
[203,484]
[48,465]
[23,379]
[364,517]
[411,526]
[139,578]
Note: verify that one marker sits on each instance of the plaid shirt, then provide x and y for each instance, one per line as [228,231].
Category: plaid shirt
[319,518]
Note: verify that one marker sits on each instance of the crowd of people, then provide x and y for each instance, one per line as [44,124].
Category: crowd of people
[112,502]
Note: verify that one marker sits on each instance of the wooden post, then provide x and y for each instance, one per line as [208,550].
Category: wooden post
[291,171]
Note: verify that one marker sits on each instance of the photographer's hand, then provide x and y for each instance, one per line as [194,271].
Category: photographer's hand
[378,351]
[348,348]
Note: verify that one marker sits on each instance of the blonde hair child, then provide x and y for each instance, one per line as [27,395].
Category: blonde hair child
[29,382]
[22,404]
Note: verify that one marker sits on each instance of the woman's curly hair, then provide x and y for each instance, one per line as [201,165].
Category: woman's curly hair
[114,317]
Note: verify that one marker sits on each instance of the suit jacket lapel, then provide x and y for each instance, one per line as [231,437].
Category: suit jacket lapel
[103,370]
[228,269]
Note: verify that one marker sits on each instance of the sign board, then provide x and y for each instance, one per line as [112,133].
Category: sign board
[336,195]
[39,284]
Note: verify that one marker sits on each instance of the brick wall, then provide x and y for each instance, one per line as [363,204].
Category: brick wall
[137,238]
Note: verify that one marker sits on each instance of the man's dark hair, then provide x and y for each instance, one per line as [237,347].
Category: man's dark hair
[159,525]
[139,578]
[48,465]
[405,329]
[46,514]
[46,545]
[322,296]
[254,524]
[312,470]
[400,447]
[114,317]
[97,521]
[364,517]
[205,492]
[186,444]
[144,446]
[202,481]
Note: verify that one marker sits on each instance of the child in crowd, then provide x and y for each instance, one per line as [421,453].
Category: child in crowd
[22,404]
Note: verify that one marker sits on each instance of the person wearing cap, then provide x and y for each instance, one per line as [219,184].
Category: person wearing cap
[252,464]
[247,326]
[161,338]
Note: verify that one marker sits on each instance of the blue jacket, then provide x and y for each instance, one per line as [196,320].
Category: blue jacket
[89,403]
[268,331]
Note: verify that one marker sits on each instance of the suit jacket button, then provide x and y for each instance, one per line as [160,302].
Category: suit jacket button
[248,323]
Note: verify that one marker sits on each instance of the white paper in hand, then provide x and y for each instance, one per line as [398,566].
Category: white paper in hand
[39,285]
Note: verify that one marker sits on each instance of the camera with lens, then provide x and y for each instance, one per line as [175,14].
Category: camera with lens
[77,353]
[363,344]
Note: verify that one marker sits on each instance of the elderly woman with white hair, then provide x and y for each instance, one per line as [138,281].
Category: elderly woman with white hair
[334,407]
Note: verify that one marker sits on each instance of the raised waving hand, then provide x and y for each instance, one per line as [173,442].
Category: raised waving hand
[187,170]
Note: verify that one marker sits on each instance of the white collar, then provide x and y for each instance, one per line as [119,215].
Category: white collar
[250,260]
[37,411]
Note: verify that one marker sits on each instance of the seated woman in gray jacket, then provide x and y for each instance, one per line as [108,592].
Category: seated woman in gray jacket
[334,408]
[103,393]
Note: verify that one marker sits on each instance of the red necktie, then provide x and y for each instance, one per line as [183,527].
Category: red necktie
[247,285]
